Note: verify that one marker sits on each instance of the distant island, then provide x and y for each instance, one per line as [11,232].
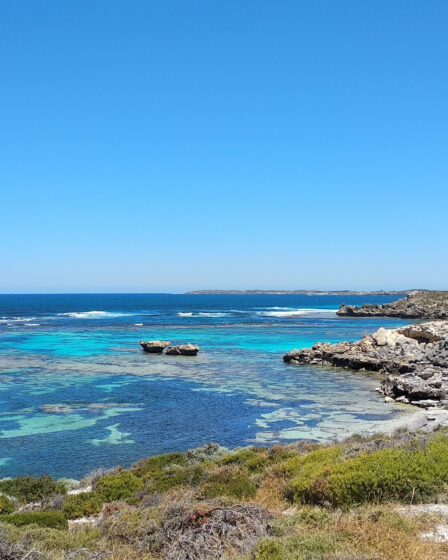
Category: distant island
[307,292]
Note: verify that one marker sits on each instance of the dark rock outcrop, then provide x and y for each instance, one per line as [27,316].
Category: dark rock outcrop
[414,360]
[154,346]
[418,305]
[182,350]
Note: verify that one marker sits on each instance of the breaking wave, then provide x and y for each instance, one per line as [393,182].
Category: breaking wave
[203,314]
[93,314]
[8,320]
[294,312]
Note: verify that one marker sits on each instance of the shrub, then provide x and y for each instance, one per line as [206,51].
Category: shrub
[47,539]
[140,527]
[156,464]
[253,459]
[382,476]
[29,489]
[82,505]
[306,469]
[303,547]
[6,505]
[172,476]
[120,486]
[229,481]
[209,452]
[52,519]
[10,551]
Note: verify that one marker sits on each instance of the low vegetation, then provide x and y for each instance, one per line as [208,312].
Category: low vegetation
[296,502]
[28,489]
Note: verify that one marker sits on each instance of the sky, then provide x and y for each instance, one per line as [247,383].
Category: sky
[153,146]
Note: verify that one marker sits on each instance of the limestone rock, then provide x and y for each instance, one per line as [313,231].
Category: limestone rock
[182,350]
[417,305]
[154,346]
[413,359]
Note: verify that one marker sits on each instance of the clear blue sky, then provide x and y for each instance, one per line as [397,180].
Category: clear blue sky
[173,145]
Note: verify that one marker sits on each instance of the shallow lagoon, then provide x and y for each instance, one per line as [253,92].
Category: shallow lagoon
[77,393]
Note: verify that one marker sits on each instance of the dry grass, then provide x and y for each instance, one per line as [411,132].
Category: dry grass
[369,533]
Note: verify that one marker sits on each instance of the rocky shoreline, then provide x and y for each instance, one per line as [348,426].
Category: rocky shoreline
[413,360]
[417,305]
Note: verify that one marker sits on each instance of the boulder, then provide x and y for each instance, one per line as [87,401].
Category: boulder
[182,350]
[154,346]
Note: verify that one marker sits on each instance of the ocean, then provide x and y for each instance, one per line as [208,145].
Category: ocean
[77,392]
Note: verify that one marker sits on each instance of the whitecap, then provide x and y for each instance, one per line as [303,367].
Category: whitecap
[295,313]
[92,314]
[217,314]
[10,320]
[214,314]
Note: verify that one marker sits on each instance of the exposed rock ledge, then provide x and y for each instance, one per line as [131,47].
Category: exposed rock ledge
[418,305]
[414,360]
[154,346]
[182,350]
[160,346]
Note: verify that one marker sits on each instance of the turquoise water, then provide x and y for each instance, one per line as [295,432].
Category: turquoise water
[76,392]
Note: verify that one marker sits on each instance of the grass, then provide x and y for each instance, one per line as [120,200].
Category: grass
[371,533]
[330,502]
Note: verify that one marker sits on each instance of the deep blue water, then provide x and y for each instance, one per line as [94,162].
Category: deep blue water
[76,392]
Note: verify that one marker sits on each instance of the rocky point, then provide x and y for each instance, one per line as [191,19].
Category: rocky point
[413,360]
[417,305]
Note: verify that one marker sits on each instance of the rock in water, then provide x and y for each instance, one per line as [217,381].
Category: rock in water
[183,350]
[414,360]
[418,305]
[154,346]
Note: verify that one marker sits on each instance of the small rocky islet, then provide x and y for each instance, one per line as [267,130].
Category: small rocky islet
[413,359]
[165,347]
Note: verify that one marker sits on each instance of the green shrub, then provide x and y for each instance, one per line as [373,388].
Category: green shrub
[6,505]
[120,486]
[303,547]
[47,539]
[171,476]
[82,505]
[28,489]
[156,464]
[52,519]
[382,476]
[306,469]
[252,458]
[231,482]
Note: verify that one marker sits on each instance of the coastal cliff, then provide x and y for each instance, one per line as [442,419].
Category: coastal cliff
[417,305]
[414,360]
